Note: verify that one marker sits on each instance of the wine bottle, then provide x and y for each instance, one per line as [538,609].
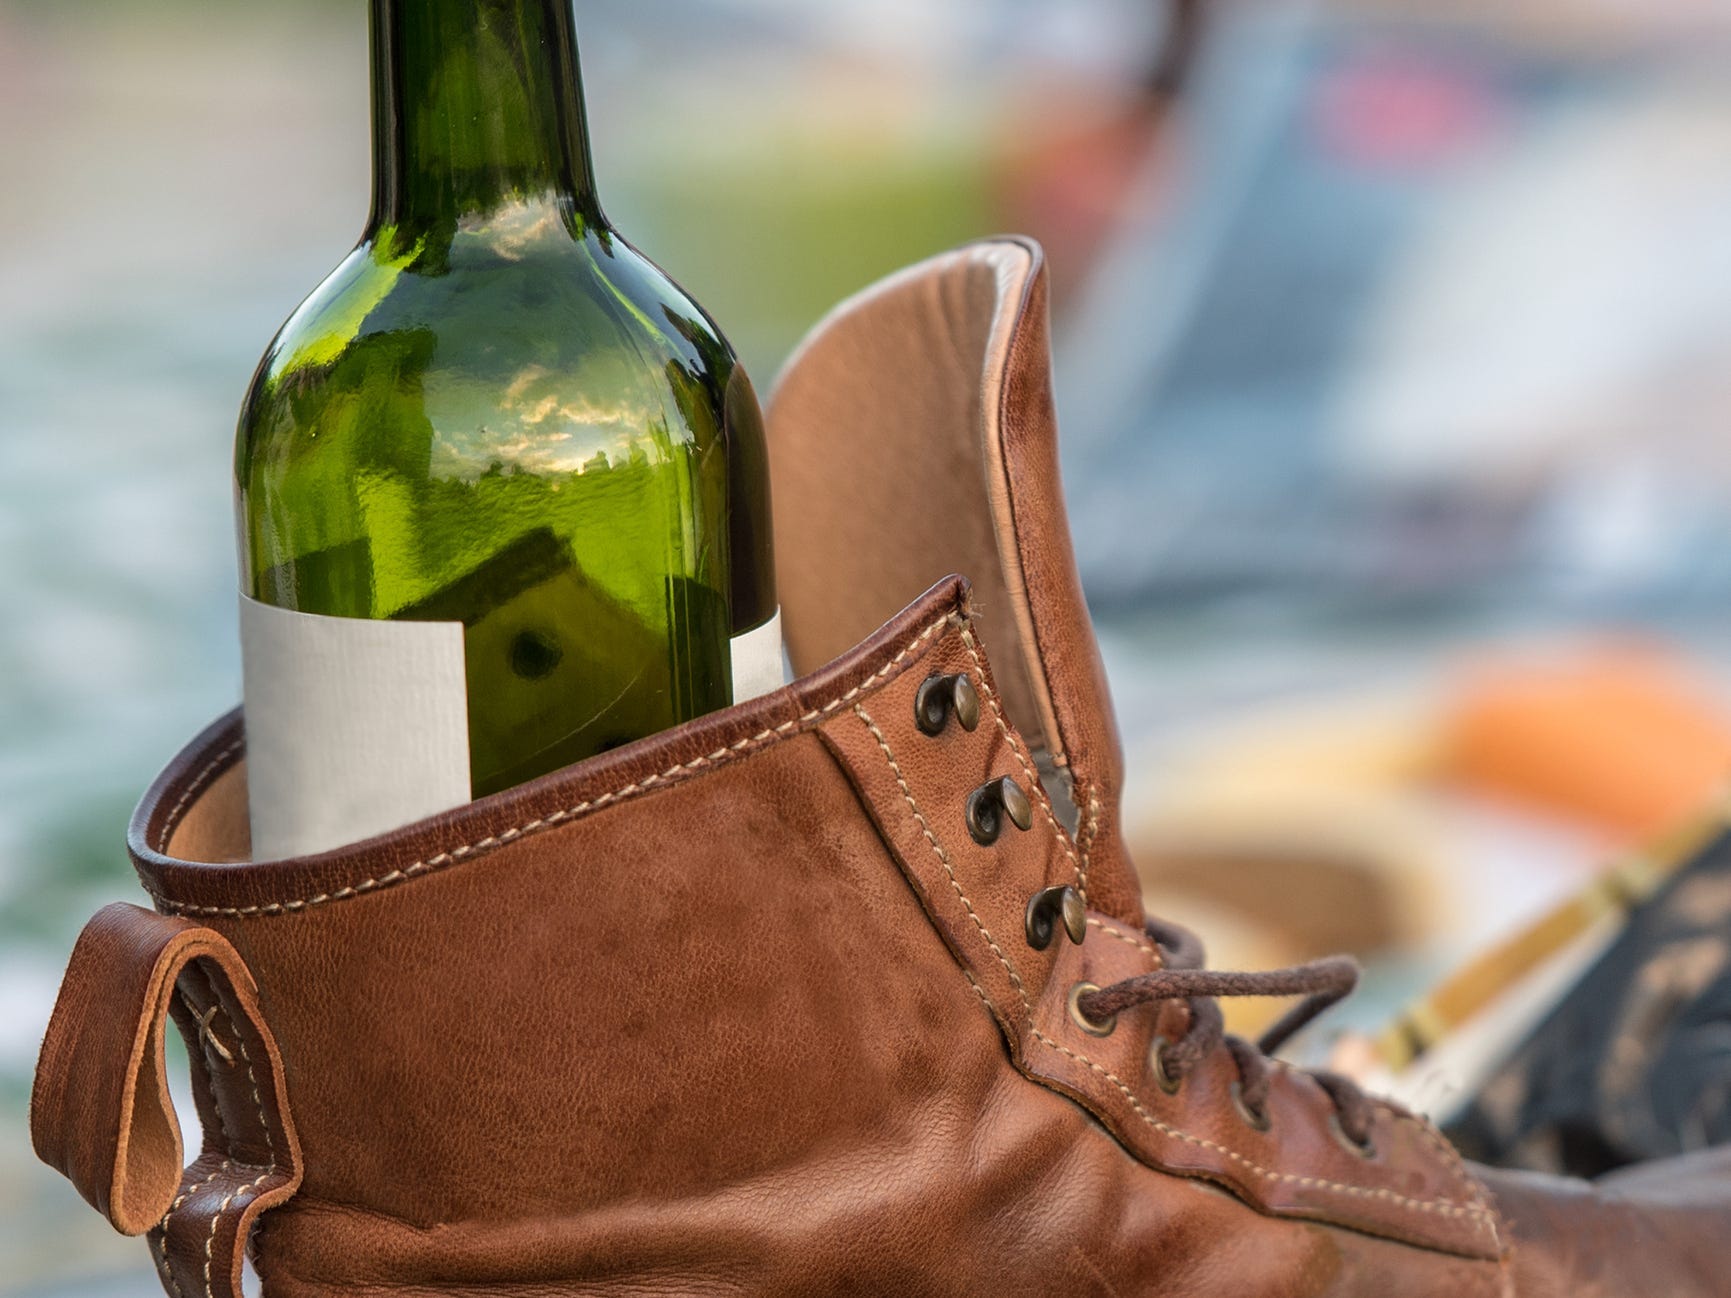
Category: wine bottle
[502,488]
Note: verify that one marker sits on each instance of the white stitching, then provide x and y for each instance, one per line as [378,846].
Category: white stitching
[1439,1207]
[1144,947]
[1507,1250]
[198,782]
[161,1231]
[251,1077]
[1035,786]
[222,1132]
[226,1164]
[494,841]
[1085,843]
[1452,1156]
[943,857]
[1444,1207]
[164,1271]
[216,1220]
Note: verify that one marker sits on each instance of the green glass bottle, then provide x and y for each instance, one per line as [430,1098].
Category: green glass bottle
[497,416]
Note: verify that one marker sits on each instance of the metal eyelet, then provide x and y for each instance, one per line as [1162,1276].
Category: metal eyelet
[940,698]
[991,804]
[1046,908]
[1163,1076]
[1093,1027]
[1252,1119]
[1366,1151]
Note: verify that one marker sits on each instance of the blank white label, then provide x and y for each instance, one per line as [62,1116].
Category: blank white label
[759,665]
[357,726]
[353,726]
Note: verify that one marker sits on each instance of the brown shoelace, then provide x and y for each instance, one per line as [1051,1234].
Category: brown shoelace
[1322,983]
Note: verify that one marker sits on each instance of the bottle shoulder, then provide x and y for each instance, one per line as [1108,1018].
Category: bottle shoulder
[521,287]
[493,327]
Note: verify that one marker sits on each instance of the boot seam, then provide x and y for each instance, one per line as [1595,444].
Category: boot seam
[1435,1207]
[1144,947]
[1035,787]
[492,842]
[160,1234]
[944,859]
[206,773]
[1505,1249]
[1474,1187]
[1079,858]
[1438,1207]
[216,1221]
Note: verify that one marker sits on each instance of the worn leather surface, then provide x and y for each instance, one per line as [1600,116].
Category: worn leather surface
[745,1008]
[1661,1228]
[915,788]
[100,1111]
[715,1014]
[930,397]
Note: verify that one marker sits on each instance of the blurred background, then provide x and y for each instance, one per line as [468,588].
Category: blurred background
[1393,347]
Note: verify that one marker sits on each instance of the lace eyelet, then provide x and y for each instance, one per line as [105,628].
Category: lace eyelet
[1255,1121]
[1164,1078]
[1094,1028]
[1366,1151]
[943,697]
[1048,909]
[995,804]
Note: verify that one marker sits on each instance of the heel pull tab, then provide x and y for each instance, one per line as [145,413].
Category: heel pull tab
[100,1111]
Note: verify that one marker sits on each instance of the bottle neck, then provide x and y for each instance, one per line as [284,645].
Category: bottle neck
[477,106]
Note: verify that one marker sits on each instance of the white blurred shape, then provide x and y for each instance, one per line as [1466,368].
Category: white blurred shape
[1577,291]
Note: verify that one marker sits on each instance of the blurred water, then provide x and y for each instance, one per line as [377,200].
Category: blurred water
[139,280]
[154,241]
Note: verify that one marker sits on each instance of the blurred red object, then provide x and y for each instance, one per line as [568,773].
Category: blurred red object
[1404,109]
[1076,163]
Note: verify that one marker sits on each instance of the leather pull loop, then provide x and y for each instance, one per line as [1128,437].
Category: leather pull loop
[100,1111]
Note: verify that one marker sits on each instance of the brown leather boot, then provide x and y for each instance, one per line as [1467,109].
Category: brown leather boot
[848,989]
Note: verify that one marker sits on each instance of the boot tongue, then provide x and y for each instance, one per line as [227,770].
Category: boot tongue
[912,435]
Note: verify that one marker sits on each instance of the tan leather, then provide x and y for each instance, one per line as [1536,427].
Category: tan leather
[1656,1229]
[745,1008]
[976,896]
[100,1111]
[911,436]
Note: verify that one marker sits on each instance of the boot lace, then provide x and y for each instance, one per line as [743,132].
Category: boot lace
[1322,983]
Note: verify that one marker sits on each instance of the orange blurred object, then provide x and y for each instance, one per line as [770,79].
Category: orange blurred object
[1626,739]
